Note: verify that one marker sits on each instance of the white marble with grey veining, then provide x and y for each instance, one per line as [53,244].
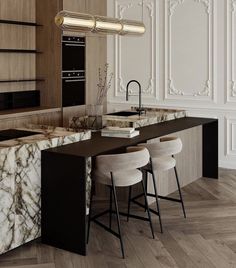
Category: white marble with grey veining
[20,182]
[150,117]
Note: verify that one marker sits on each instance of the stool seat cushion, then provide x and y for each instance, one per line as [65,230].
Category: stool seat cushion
[163,163]
[121,178]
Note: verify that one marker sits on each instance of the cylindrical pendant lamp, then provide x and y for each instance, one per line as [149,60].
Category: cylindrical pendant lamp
[107,25]
[132,27]
[79,22]
[76,22]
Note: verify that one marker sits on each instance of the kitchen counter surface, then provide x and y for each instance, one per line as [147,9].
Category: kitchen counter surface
[45,133]
[150,117]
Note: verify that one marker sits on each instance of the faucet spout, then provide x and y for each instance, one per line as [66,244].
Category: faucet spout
[140,94]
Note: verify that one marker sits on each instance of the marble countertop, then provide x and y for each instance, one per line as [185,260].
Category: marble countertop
[44,133]
[151,116]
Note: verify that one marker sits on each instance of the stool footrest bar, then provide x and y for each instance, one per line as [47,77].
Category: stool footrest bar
[169,198]
[143,206]
[106,228]
[99,215]
[134,216]
[137,196]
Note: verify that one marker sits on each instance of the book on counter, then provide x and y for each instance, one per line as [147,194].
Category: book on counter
[118,132]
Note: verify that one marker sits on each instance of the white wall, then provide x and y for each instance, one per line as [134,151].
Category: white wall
[186,59]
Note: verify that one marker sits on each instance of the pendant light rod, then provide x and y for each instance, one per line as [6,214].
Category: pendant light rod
[80,22]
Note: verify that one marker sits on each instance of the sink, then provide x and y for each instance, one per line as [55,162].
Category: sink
[124,113]
[9,134]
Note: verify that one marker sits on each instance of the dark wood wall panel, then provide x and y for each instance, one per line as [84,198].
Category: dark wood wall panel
[17,66]
[48,64]
[22,10]
[17,36]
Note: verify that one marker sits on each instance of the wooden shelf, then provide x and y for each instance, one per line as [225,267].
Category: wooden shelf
[4,50]
[24,23]
[21,80]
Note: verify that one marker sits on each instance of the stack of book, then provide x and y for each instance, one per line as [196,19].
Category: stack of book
[118,132]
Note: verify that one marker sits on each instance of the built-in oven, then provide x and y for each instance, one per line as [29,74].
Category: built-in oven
[73,71]
[73,53]
[73,88]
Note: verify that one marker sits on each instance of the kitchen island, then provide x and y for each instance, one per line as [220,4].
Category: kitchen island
[66,166]
[20,184]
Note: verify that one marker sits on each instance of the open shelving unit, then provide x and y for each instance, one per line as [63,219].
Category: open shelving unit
[24,98]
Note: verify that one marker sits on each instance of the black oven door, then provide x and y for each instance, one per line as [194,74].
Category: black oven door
[73,56]
[73,92]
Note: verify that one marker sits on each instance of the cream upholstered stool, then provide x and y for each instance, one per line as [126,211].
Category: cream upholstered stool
[120,170]
[161,159]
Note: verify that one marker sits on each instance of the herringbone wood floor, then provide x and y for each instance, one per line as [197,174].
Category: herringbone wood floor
[207,238]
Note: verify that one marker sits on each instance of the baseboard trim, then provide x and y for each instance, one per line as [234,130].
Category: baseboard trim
[228,164]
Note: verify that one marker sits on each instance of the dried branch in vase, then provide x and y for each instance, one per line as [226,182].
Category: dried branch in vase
[104,83]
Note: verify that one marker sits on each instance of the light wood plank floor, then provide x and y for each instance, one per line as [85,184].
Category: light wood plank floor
[207,238]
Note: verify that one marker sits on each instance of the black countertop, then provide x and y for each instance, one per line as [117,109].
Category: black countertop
[102,145]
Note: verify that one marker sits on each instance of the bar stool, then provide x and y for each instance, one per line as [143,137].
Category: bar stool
[161,159]
[120,170]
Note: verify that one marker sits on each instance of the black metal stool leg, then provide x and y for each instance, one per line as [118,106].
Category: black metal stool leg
[180,194]
[117,216]
[129,201]
[148,212]
[157,202]
[90,213]
[110,209]
[145,178]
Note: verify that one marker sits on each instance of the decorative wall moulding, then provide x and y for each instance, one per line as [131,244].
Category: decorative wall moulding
[125,50]
[231,56]
[79,22]
[231,136]
[233,89]
[205,90]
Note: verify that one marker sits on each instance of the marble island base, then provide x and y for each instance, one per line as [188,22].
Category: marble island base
[20,183]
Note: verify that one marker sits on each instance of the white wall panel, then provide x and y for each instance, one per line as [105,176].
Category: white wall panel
[190,57]
[191,54]
[140,52]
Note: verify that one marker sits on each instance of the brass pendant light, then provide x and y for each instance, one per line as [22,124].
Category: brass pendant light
[107,25]
[132,27]
[72,21]
[79,22]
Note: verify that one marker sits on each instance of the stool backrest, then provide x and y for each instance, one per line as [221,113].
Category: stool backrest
[136,157]
[167,146]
